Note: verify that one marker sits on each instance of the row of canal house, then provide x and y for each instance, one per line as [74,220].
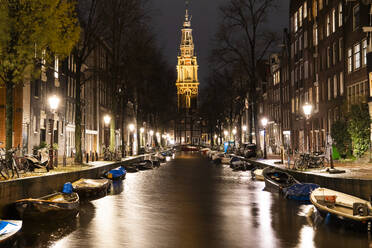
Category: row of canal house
[322,61]
[32,112]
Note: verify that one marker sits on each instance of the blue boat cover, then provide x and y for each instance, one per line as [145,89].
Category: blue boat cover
[116,173]
[67,188]
[4,225]
[300,191]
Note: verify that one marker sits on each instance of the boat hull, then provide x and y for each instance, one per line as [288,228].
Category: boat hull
[45,208]
[285,180]
[91,189]
[4,238]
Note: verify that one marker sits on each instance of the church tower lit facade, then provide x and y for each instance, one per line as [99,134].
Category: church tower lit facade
[187,130]
[187,69]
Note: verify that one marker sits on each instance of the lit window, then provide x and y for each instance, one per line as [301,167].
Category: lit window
[357,56]
[315,35]
[300,16]
[364,52]
[56,67]
[305,9]
[320,4]
[340,15]
[329,88]
[335,86]
[349,60]
[341,83]
[333,20]
[328,25]
[296,22]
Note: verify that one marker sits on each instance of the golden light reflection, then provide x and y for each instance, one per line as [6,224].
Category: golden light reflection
[306,237]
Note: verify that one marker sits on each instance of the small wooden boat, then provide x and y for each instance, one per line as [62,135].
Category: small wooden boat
[159,157]
[342,206]
[155,163]
[258,174]
[131,168]
[116,174]
[144,165]
[91,188]
[300,191]
[277,180]
[57,205]
[9,228]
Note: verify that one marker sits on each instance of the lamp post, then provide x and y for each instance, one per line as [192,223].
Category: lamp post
[307,108]
[264,122]
[53,104]
[131,130]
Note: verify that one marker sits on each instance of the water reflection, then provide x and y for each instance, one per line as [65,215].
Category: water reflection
[188,202]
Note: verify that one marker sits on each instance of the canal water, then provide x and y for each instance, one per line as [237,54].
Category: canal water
[189,202]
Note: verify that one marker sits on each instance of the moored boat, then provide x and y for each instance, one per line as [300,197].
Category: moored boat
[131,168]
[9,228]
[91,188]
[300,191]
[57,205]
[116,174]
[144,165]
[277,180]
[341,205]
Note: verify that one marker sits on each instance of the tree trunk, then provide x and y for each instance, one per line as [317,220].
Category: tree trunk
[78,117]
[9,115]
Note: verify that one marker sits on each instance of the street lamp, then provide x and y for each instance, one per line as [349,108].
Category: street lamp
[307,108]
[264,122]
[53,104]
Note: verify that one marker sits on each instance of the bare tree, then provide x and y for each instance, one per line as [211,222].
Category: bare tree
[243,38]
[92,27]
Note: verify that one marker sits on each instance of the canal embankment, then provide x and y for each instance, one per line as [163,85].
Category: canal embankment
[37,186]
[357,184]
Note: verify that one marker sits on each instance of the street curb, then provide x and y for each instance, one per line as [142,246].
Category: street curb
[358,187]
[33,187]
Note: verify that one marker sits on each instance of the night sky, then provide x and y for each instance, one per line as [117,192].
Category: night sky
[168,16]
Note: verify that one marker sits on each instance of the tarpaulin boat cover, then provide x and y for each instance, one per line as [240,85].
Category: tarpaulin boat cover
[300,191]
[235,159]
[117,172]
[67,188]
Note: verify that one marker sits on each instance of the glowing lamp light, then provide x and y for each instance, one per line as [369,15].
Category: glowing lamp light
[215,136]
[264,121]
[225,133]
[308,108]
[158,134]
[53,102]
[107,119]
[142,130]
[244,128]
[151,133]
[131,127]
[234,131]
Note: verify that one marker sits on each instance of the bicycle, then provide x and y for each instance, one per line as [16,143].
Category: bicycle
[308,161]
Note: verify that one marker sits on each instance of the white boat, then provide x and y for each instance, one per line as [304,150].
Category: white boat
[225,159]
[8,228]
[258,174]
[343,206]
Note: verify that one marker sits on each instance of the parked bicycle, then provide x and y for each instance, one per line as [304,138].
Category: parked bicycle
[310,161]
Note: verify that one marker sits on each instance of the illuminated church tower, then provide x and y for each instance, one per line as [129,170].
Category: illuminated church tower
[187,130]
[187,69]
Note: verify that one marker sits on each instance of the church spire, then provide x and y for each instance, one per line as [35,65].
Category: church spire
[187,23]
